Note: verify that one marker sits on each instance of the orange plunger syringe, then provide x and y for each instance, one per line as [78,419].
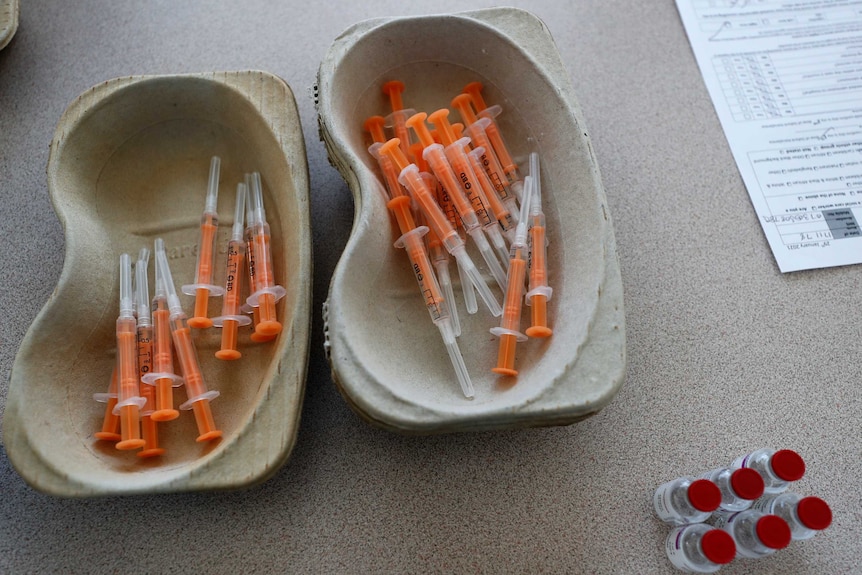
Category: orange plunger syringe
[198,396]
[145,356]
[436,157]
[162,377]
[204,287]
[500,149]
[250,266]
[539,294]
[374,126]
[411,240]
[476,130]
[440,258]
[231,318]
[456,153]
[448,207]
[110,422]
[267,292]
[411,179]
[129,400]
[399,115]
[509,331]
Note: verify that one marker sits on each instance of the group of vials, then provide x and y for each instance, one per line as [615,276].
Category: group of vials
[742,510]
[150,332]
[460,180]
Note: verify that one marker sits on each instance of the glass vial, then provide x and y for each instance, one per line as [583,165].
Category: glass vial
[699,548]
[686,500]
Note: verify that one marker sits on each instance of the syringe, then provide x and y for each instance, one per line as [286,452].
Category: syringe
[540,293]
[250,266]
[456,152]
[411,240]
[374,125]
[145,356]
[440,258]
[436,158]
[268,292]
[163,377]
[129,401]
[231,318]
[410,177]
[448,207]
[510,324]
[477,131]
[393,90]
[204,287]
[198,396]
[493,132]
[110,421]
[499,209]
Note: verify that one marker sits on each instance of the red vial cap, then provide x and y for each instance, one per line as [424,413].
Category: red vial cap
[814,513]
[704,495]
[747,483]
[788,465]
[718,546]
[773,531]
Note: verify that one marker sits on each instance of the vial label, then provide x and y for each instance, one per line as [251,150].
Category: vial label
[675,552]
[741,461]
[662,503]
[764,505]
[722,520]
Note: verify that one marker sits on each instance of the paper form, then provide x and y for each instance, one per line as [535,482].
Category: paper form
[786,81]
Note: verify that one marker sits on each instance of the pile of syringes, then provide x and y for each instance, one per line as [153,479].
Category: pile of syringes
[460,180]
[150,333]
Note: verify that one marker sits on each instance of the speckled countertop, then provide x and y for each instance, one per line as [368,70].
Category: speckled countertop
[725,354]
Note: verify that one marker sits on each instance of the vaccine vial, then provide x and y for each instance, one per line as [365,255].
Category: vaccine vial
[739,487]
[686,500]
[699,548]
[755,533]
[778,468]
[806,516]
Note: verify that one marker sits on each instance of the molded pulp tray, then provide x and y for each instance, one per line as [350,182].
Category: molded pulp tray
[8,21]
[129,162]
[386,356]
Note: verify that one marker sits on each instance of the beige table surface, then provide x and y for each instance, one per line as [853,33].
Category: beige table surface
[725,354]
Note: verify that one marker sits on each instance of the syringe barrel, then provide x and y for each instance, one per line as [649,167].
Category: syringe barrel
[514,291]
[163,358]
[145,366]
[198,396]
[424,273]
[127,367]
[204,270]
[411,178]
[498,144]
[162,377]
[188,357]
[469,185]
[267,293]
[491,164]
[538,259]
[249,258]
[389,170]
[495,203]
[233,278]
[264,276]
[436,158]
